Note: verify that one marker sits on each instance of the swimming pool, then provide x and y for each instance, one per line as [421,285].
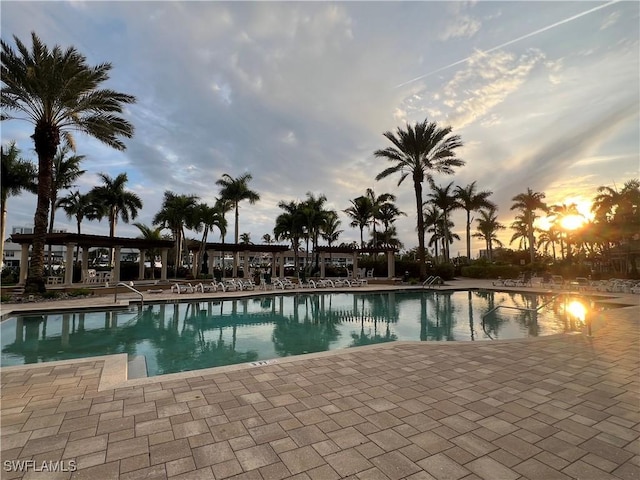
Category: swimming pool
[191,335]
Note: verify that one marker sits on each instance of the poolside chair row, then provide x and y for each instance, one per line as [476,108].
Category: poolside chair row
[226,285]
[318,283]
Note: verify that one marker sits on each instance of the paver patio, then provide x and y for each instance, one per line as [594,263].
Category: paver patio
[559,407]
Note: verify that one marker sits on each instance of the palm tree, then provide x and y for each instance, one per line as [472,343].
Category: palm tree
[177,211]
[330,229]
[290,225]
[115,200]
[17,175]
[433,224]
[446,200]
[420,151]
[472,201]
[549,239]
[488,227]
[360,212]
[150,233]
[78,206]
[388,214]
[266,238]
[236,190]
[528,202]
[377,203]
[520,226]
[58,92]
[315,217]
[245,238]
[558,214]
[207,218]
[66,170]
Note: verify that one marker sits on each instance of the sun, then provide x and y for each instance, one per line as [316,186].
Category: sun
[572,222]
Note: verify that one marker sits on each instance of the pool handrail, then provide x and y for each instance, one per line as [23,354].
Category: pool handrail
[115,293]
[431,281]
[522,309]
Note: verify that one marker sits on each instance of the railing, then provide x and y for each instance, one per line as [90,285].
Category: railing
[432,280]
[115,294]
[522,309]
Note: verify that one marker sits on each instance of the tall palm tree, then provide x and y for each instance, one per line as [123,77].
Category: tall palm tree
[471,200]
[488,227]
[388,214]
[237,190]
[330,230]
[66,170]
[205,219]
[520,227]
[17,175]
[315,216]
[115,200]
[360,212]
[78,206]
[150,233]
[433,223]
[558,213]
[177,211]
[528,202]
[57,91]
[446,200]
[377,203]
[420,151]
[290,225]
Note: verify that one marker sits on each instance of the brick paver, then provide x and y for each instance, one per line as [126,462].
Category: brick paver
[562,407]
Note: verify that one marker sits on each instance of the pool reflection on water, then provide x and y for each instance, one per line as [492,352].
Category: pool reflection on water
[201,334]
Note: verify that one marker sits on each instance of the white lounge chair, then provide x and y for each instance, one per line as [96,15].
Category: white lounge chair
[206,287]
[283,284]
[181,288]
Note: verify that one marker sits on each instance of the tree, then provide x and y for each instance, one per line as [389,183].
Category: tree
[176,212]
[360,212]
[78,206]
[446,200]
[17,175]
[57,92]
[290,225]
[528,202]
[115,200]
[420,151]
[315,216]
[66,170]
[388,214]
[488,227]
[150,233]
[205,219]
[377,203]
[472,201]
[245,238]
[330,230]
[266,238]
[237,190]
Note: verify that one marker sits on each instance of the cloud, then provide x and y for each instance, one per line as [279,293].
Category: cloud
[463,26]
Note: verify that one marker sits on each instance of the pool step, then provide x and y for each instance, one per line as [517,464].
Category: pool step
[137,367]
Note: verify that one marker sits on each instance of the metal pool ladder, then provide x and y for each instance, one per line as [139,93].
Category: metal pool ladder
[115,294]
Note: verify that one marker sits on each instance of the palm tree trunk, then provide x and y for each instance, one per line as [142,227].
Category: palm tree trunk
[420,223]
[3,226]
[532,252]
[468,235]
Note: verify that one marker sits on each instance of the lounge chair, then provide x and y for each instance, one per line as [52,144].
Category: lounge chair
[245,284]
[181,288]
[228,285]
[206,287]
[283,284]
[322,283]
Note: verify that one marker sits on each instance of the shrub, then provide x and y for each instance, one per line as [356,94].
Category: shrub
[50,295]
[5,298]
[79,292]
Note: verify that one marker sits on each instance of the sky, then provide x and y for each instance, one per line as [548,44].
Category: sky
[544,95]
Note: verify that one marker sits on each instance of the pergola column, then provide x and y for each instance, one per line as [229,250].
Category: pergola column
[391,264]
[246,264]
[115,273]
[24,263]
[164,255]
[85,263]
[236,257]
[68,271]
[323,267]
[143,253]
[195,262]
[355,264]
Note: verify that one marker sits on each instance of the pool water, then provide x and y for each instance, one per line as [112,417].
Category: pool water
[176,337]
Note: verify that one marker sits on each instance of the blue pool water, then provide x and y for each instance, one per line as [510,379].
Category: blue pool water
[201,334]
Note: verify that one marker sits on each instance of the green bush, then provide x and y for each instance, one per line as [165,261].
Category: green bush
[490,271]
[79,292]
[50,295]
[5,298]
